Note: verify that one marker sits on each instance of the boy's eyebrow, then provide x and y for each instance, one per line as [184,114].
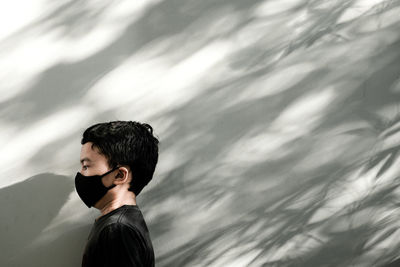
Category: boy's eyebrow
[85,159]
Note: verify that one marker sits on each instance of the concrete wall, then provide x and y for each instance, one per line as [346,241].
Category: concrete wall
[278,121]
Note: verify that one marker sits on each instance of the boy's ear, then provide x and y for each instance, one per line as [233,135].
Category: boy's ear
[122,173]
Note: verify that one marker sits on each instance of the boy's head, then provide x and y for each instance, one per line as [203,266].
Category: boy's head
[126,143]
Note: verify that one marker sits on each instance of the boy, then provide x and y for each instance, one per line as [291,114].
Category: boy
[118,160]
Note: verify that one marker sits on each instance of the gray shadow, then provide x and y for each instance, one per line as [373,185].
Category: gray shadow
[65,250]
[27,208]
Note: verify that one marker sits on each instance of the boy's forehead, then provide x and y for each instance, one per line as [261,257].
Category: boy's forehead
[88,153]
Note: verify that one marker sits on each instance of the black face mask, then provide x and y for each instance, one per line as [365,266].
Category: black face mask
[90,188]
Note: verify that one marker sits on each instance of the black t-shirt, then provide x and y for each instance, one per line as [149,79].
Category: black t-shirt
[119,239]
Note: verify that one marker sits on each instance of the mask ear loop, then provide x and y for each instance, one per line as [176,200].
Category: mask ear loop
[113,185]
[110,171]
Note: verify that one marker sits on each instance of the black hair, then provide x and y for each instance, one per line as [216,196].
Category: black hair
[126,143]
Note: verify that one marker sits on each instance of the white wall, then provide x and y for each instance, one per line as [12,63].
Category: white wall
[278,122]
